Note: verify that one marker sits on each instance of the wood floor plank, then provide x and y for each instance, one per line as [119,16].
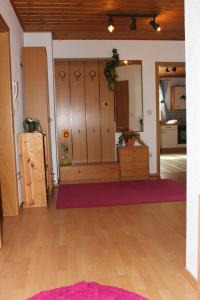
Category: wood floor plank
[173,166]
[172,163]
[137,247]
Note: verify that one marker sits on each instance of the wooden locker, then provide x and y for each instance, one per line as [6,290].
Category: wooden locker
[63,106]
[33,169]
[8,172]
[92,111]
[77,89]
[36,97]
[107,117]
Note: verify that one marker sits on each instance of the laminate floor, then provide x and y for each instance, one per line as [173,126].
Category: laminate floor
[137,247]
[173,166]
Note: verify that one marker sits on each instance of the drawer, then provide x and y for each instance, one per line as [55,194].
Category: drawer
[89,172]
[135,174]
[133,159]
[132,170]
[133,154]
[169,127]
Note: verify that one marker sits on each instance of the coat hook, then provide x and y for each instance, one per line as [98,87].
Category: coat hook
[62,75]
[92,74]
[77,74]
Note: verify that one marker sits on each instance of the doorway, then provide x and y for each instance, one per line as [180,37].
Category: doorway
[8,173]
[171,120]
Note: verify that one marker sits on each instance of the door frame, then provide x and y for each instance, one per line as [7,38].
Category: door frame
[9,186]
[157,65]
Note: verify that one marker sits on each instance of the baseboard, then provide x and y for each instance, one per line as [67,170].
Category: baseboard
[172,150]
[190,278]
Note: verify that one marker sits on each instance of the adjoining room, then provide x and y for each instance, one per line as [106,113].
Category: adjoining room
[172,116]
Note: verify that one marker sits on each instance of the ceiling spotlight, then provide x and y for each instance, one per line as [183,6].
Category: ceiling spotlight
[133,25]
[170,69]
[167,69]
[155,25]
[110,24]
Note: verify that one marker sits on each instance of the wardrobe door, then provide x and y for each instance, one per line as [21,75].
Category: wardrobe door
[36,95]
[77,89]
[92,111]
[63,107]
[107,117]
[8,172]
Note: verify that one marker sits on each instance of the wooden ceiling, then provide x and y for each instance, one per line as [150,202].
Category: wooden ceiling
[81,19]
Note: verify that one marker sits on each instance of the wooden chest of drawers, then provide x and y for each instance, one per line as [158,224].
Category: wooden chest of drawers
[134,162]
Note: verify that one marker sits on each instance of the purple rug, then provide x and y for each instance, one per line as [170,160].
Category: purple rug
[120,193]
[87,291]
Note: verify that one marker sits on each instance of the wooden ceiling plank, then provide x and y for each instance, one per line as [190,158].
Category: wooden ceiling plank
[71,19]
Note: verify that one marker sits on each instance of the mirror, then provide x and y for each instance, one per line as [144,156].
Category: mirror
[128,96]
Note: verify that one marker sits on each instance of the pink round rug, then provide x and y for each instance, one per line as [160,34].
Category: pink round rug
[87,291]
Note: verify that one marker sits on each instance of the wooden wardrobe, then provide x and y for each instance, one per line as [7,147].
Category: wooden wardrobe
[36,97]
[85,106]
[8,170]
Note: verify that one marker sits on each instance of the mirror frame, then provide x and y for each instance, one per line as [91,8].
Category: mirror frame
[123,63]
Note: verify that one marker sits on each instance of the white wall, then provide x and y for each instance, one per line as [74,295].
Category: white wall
[45,40]
[192,21]
[147,51]
[16,44]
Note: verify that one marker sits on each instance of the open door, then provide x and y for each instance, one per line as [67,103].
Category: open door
[122,104]
[8,173]
[171,120]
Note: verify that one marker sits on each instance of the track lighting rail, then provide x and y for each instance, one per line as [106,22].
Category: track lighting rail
[134,17]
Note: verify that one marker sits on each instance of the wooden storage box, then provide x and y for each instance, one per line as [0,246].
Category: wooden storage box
[134,162]
[33,169]
[94,172]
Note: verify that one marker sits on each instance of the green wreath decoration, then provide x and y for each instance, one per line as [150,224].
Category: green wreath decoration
[109,71]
